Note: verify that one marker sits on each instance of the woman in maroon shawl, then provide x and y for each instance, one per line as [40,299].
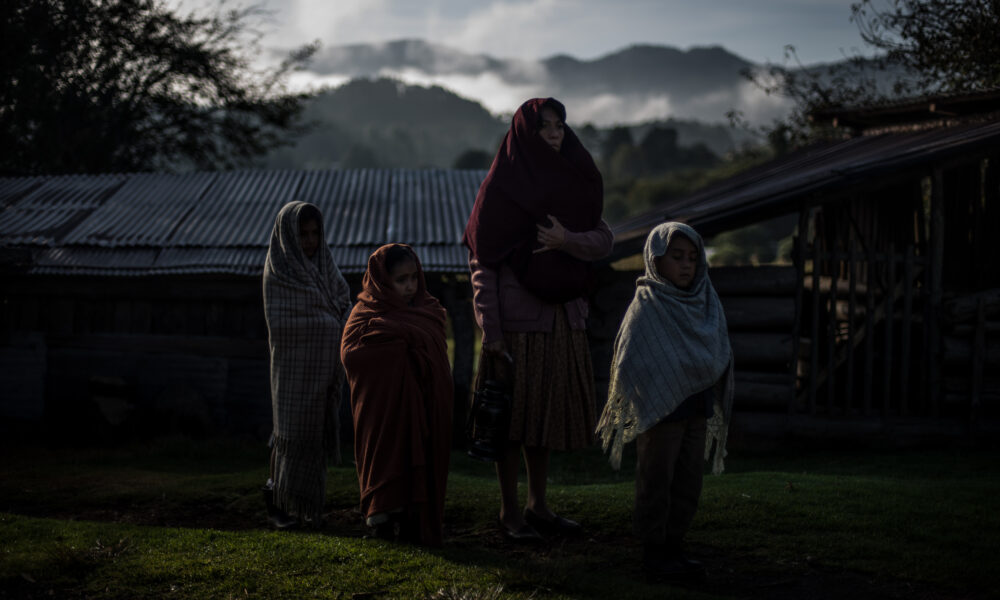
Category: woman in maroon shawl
[395,355]
[534,230]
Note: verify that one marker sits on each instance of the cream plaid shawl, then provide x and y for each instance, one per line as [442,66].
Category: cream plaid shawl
[672,343]
[306,302]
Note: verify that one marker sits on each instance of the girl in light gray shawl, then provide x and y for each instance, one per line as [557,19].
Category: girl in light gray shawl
[306,302]
[671,390]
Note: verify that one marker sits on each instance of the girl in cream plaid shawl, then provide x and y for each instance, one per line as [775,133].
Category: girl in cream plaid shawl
[672,343]
[306,302]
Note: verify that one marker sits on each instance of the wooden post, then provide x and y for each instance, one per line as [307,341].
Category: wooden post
[936,291]
[870,328]
[904,363]
[831,344]
[889,301]
[459,307]
[814,329]
[800,282]
[978,357]
[852,305]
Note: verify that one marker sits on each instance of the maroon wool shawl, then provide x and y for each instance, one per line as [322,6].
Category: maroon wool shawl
[528,181]
[396,358]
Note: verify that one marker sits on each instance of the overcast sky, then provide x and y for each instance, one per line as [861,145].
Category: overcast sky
[758,30]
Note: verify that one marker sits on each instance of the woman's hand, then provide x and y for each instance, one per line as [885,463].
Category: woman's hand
[551,238]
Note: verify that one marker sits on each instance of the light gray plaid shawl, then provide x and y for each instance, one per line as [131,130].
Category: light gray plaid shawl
[306,302]
[672,343]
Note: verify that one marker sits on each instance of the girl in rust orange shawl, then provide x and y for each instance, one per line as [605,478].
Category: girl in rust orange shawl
[395,355]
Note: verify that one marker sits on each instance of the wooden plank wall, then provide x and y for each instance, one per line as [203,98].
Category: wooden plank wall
[894,320]
[183,353]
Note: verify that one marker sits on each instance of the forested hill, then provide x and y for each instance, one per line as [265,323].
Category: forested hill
[386,123]
[367,123]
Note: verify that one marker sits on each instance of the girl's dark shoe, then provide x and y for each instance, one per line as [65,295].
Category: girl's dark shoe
[525,533]
[388,530]
[390,527]
[555,525]
[277,517]
[669,565]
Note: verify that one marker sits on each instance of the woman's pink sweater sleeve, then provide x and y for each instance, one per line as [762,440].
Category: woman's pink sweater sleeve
[589,245]
[486,300]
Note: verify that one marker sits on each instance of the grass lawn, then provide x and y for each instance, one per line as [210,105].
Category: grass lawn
[181,519]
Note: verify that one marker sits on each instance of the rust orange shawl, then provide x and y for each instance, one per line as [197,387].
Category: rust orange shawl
[396,359]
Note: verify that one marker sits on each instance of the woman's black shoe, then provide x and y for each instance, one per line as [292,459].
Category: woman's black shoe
[555,525]
[525,533]
[665,564]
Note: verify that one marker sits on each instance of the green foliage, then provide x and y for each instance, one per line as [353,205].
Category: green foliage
[638,177]
[625,197]
[659,146]
[921,46]
[627,162]
[615,138]
[96,86]
[952,45]
[751,245]
[473,159]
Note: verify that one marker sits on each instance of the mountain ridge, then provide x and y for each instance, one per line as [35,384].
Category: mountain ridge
[635,83]
[388,123]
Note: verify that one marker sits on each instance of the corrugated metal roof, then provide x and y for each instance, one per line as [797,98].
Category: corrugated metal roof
[248,260]
[127,259]
[777,187]
[16,188]
[432,206]
[50,211]
[141,262]
[150,224]
[355,204]
[238,209]
[145,212]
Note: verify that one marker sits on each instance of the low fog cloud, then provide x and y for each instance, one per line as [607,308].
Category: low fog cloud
[489,89]
[611,109]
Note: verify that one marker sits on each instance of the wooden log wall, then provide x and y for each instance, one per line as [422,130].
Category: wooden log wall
[759,303]
[136,356]
[759,308]
[864,269]
[971,385]
[897,314]
[187,353]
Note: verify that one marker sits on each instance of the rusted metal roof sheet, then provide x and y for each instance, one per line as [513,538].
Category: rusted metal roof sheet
[779,186]
[156,224]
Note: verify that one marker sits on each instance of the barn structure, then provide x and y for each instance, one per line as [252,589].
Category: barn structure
[134,301]
[886,322]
